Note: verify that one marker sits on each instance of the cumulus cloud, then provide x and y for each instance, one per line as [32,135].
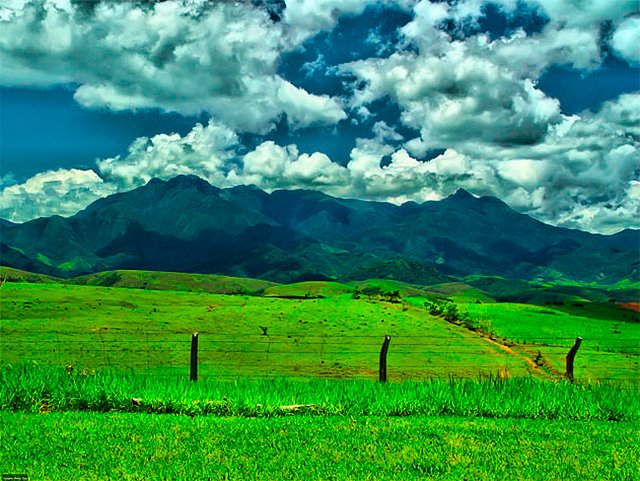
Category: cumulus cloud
[626,40]
[584,173]
[472,88]
[186,57]
[271,166]
[60,192]
[472,96]
[582,12]
[457,95]
[204,151]
[305,18]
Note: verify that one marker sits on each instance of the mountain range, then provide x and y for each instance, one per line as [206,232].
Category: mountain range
[187,225]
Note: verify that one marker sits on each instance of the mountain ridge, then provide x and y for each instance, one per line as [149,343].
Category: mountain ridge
[188,225]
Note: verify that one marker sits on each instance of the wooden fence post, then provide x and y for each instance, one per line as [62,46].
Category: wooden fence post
[571,356]
[194,357]
[383,359]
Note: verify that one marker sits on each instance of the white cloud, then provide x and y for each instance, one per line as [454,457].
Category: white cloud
[187,57]
[456,96]
[306,18]
[584,173]
[626,39]
[60,192]
[271,166]
[304,109]
[584,12]
[204,151]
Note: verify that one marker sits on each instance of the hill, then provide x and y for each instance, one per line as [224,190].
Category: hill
[175,281]
[8,274]
[187,225]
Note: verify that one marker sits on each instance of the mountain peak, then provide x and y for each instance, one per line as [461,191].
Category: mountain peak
[187,180]
[461,194]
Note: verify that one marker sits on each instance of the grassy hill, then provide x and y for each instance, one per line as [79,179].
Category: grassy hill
[557,292]
[308,289]
[389,285]
[459,292]
[9,274]
[175,281]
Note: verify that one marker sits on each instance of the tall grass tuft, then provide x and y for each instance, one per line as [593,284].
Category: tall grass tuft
[35,388]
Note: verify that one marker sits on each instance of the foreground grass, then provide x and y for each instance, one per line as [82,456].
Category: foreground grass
[40,389]
[62,446]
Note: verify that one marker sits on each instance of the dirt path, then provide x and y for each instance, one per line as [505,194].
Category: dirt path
[532,365]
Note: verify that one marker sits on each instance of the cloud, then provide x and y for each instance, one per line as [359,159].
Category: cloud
[626,40]
[457,96]
[204,151]
[271,166]
[60,192]
[583,13]
[472,96]
[306,18]
[584,173]
[185,57]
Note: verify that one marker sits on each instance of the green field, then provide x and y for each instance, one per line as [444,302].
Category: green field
[63,446]
[94,381]
[610,349]
[336,337]
[140,320]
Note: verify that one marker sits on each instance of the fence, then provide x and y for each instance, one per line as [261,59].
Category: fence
[250,354]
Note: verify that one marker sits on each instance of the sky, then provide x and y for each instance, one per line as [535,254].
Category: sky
[536,102]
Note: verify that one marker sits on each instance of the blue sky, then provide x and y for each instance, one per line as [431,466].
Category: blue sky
[533,101]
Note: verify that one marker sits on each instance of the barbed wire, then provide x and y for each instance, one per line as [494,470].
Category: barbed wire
[288,336]
[328,355]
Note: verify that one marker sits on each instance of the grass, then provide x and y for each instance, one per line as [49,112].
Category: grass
[389,285]
[308,289]
[610,348]
[90,446]
[483,412]
[9,274]
[336,337]
[33,388]
[458,292]
[530,323]
[174,281]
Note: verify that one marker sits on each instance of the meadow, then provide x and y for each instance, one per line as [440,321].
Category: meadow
[150,330]
[610,349]
[94,382]
[143,321]
[98,446]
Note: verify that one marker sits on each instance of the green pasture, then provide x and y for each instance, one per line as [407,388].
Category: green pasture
[174,281]
[92,446]
[524,323]
[337,337]
[307,329]
[610,348]
[308,289]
